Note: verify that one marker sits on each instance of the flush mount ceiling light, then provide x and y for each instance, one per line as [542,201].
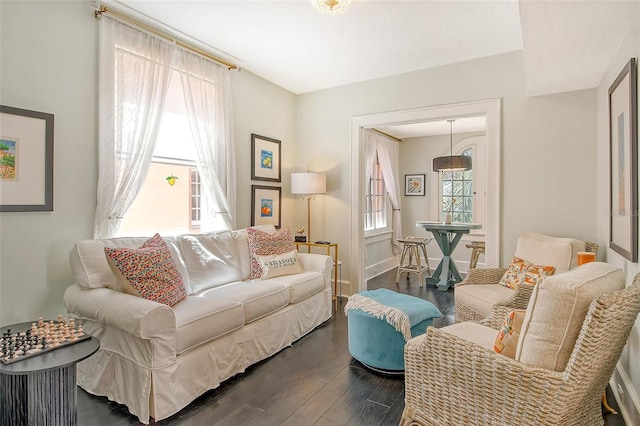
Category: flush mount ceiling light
[451,162]
[331,7]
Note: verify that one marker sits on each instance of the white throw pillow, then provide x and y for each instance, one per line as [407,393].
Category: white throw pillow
[276,265]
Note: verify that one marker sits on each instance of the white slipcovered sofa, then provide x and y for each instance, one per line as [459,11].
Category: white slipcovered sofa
[156,359]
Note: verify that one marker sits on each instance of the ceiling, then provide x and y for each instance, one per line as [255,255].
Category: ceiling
[567,44]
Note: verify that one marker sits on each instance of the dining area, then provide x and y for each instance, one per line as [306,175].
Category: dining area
[448,238]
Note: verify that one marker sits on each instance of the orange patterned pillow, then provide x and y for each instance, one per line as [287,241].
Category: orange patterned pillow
[507,341]
[520,271]
[148,271]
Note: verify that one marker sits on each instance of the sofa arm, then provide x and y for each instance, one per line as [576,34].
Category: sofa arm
[134,315]
[317,262]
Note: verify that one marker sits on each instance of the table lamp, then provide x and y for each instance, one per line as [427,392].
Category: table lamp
[308,184]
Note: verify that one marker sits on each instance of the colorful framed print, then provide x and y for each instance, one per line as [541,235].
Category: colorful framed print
[414,184]
[623,163]
[265,158]
[26,160]
[265,205]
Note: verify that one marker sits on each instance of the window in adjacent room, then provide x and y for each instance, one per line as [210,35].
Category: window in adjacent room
[376,209]
[457,193]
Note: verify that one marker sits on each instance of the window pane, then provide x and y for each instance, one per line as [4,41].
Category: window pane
[457,187]
[468,188]
[446,188]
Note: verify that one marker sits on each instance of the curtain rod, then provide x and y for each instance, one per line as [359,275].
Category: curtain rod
[387,135]
[127,19]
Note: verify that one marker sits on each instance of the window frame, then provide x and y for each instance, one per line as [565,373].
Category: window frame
[376,176]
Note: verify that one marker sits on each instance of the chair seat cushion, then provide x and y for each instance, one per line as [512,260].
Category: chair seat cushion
[473,332]
[482,297]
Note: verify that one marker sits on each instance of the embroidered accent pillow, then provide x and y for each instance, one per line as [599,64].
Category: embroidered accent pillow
[507,341]
[276,265]
[520,271]
[264,244]
[149,271]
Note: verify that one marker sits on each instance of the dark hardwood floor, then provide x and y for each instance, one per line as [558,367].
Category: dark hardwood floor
[314,382]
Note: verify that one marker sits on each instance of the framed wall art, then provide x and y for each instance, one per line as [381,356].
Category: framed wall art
[623,163]
[26,160]
[265,158]
[265,205]
[414,184]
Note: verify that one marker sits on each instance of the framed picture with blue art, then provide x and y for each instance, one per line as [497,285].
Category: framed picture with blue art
[26,160]
[623,163]
[265,158]
[265,205]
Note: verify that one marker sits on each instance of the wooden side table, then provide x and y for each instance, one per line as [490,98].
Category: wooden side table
[328,248]
[41,390]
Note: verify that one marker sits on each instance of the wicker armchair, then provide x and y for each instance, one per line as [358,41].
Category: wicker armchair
[466,310]
[452,381]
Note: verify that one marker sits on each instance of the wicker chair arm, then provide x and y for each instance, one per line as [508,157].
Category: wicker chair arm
[496,316]
[483,276]
[520,297]
[453,381]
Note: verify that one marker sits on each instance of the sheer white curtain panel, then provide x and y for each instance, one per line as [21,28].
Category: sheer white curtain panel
[131,99]
[207,92]
[388,152]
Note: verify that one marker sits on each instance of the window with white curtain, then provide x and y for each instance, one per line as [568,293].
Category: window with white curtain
[376,209]
[170,197]
[167,159]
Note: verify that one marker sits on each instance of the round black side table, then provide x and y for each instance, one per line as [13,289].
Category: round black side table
[41,390]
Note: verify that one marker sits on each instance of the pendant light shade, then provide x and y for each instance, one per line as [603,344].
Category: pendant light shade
[451,162]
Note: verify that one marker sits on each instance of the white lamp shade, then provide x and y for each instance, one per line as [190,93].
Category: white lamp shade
[308,183]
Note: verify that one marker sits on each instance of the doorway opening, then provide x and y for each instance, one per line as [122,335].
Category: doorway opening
[490,109]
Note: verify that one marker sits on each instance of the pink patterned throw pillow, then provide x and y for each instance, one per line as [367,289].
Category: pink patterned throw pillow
[148,271]
[264,244]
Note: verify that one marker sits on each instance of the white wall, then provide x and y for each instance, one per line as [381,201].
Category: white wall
[49,63]
[548,143]
[628,369]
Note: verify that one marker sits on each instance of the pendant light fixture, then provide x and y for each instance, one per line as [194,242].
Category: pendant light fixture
[331,7]
[451,162]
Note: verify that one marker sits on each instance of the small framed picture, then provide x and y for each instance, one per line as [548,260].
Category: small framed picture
[413,184]
[265,205]
[265,158]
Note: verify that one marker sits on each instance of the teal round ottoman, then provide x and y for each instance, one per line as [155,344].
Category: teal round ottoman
[379,324]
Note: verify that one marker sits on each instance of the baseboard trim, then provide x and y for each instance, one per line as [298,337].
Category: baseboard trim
[629,402]
[380,268]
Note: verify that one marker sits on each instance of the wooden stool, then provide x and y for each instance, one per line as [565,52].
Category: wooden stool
[477,249]
[412,246]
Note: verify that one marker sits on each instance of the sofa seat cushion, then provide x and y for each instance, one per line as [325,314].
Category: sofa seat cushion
[258,298]
[200,319]
[473,332]
[301,285]
[557,309]
[482,297]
